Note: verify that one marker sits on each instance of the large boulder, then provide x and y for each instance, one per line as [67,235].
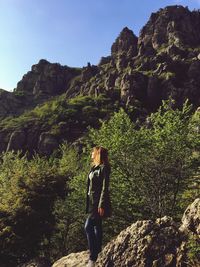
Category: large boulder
[144,244]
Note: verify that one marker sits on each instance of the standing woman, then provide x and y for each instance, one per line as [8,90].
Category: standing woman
[98,203]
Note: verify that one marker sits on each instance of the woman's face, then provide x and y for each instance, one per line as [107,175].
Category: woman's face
[92,155]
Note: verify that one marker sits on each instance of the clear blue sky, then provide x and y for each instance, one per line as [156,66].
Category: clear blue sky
[70,32]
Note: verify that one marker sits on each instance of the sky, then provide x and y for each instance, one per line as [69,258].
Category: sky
[69,32]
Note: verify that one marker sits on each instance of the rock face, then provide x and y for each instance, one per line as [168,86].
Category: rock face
[173,25]
[144,244]
[191,218]
[46,79]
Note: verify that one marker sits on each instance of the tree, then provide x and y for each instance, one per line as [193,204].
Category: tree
[27,194]
[150,166]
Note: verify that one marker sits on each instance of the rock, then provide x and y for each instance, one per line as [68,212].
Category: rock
[165,27]
[88,72]
[17,140]
[124,48]
[191,218]
[174,50]
[144,243]
[46,79]
[110,81]
[133,86]
[47,143]
[194,70]
[153,92]
[37,262]
[104,60]
[78,259]
[125,42]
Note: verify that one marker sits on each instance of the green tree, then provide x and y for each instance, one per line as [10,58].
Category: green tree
[150,166]
[27,194]
[68,235]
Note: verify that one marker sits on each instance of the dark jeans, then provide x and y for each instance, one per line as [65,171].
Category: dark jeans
[93,229]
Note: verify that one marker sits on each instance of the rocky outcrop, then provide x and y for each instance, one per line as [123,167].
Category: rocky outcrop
[166,53]
[46,80]
[47,143]
[124,49]
[191,218]
[172,25]
[145,244]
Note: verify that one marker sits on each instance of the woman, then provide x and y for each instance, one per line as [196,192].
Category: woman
[98,203]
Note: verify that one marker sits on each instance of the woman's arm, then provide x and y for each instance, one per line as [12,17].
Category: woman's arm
[105,186]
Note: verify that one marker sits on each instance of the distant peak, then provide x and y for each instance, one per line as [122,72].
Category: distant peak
[126,32]
[43,61]
[125,41]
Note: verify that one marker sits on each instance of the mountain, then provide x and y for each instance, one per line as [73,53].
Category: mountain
[163,61]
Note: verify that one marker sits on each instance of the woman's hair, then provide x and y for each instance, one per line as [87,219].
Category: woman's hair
[100,155]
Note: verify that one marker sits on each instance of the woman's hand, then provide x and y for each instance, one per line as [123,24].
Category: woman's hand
[101,211]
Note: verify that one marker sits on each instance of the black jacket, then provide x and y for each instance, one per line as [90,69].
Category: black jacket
[99,192]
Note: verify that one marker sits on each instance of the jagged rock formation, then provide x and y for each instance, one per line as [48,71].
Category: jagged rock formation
[163,61]
[145,244]
[46,79]
[173,26]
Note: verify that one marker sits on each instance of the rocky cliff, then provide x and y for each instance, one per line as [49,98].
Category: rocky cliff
[45,80]
[163,61]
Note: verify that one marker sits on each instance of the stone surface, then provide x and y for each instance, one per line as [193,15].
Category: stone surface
[47,143]
[17,140]
[79,259]
[191,218]
[46,79]
[144,244]
[170,25]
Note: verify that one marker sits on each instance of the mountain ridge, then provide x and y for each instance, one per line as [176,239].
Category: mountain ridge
[163,61]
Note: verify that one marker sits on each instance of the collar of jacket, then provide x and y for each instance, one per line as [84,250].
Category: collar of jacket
[97,166]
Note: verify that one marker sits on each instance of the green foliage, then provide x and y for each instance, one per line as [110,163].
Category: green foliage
[149,73]
[27,193]
[193,250]
[68,235]
[80,110]
[167,75]
[151,167]
[42,201]
[19,94]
